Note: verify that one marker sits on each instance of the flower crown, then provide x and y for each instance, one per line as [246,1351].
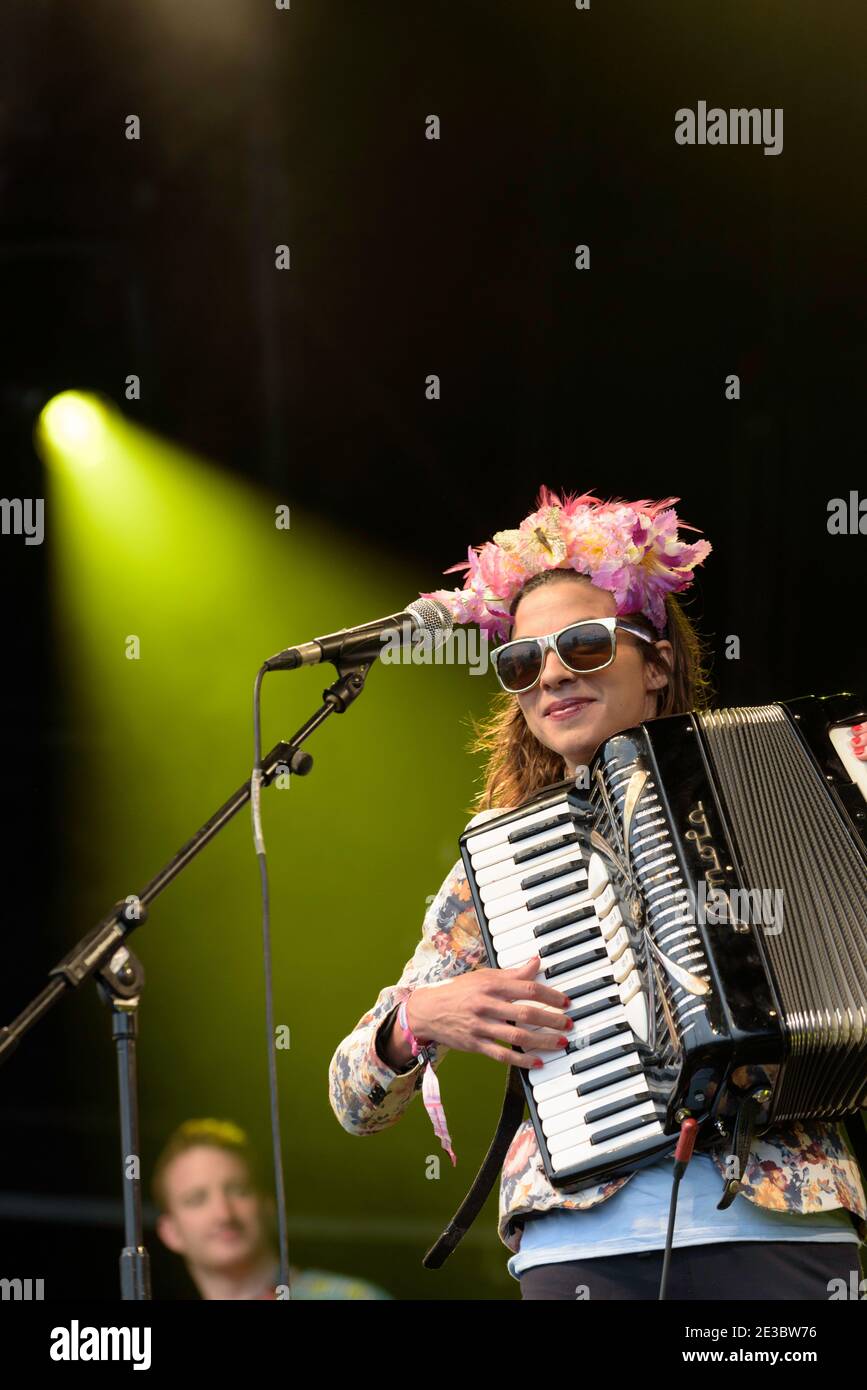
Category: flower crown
[630,548]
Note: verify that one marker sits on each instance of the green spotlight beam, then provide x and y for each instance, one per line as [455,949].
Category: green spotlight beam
[172,580]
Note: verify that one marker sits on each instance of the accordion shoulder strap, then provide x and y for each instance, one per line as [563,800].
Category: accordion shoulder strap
[510,1118]
[857,1134]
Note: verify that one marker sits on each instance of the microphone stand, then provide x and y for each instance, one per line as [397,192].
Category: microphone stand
[103,952]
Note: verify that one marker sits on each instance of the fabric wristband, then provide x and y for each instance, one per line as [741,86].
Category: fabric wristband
[430,1089]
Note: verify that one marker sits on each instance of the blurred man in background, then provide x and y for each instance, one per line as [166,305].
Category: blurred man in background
[215,1214]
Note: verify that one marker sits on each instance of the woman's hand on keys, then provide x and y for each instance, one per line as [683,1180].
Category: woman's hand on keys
[477,1012]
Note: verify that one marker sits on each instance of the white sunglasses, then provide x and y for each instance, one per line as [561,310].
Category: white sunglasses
[590,645]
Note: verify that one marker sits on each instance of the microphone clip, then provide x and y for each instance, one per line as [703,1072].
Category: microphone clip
[351,676]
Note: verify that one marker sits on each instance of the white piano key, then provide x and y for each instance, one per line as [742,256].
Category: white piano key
[593,997]
[581,1027]
[581,1134]
[584,1153]
[507,853]
[626,1089]
[539,914]
[507,960]
[511,902]
[616,1014]
[557,1063]
[567,1101]
[504,878]
[527,941]
[610,1151]
[562,1100]
[486,838]
[551,1072]
[598,969]
[542,931]
[566,1081]
[578,975]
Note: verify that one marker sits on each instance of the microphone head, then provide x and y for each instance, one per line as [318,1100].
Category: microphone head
[432,616]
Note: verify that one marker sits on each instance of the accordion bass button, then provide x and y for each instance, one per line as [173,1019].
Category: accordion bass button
[597,875]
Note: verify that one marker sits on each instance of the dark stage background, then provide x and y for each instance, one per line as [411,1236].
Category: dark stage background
[409,256]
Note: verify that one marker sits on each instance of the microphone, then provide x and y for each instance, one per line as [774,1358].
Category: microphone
[364,643]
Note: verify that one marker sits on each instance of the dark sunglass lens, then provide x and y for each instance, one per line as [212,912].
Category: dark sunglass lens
[518,665]
[585,648]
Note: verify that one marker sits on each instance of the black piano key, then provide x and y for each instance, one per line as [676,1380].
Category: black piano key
[597,1006]
[612,1030]
[559,842]
[574,962]
[554,895]
[523,832]
[571,866]
[578,938]
[588,986]
[639,1122]
[566,919]
[614,1107]
[610,1056]
[588,1087]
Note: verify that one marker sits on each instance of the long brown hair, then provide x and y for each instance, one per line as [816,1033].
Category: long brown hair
[518,764]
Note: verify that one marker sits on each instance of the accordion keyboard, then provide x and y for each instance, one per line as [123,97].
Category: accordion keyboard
[542,890]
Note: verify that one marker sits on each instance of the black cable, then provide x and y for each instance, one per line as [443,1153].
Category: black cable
[672,1212]
[682,1155]
[259,842]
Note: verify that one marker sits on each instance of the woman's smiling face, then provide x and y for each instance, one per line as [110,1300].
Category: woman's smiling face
[570,713]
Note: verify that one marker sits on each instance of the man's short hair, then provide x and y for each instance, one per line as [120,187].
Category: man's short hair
[193,1134]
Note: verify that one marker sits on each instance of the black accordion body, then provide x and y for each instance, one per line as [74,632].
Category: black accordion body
[702,901]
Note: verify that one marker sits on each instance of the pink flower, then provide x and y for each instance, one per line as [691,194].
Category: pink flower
[631,549]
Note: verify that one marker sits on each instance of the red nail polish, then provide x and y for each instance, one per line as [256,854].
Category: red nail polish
[568,1024]
[538,1062]
[562,1042]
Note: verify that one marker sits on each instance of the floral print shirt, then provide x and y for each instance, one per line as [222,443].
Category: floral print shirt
[802,1167]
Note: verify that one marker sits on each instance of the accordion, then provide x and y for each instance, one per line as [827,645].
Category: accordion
[700,895]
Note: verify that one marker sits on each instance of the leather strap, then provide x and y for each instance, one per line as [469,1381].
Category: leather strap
[856,1132]
[510,1118]
[742,1142]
